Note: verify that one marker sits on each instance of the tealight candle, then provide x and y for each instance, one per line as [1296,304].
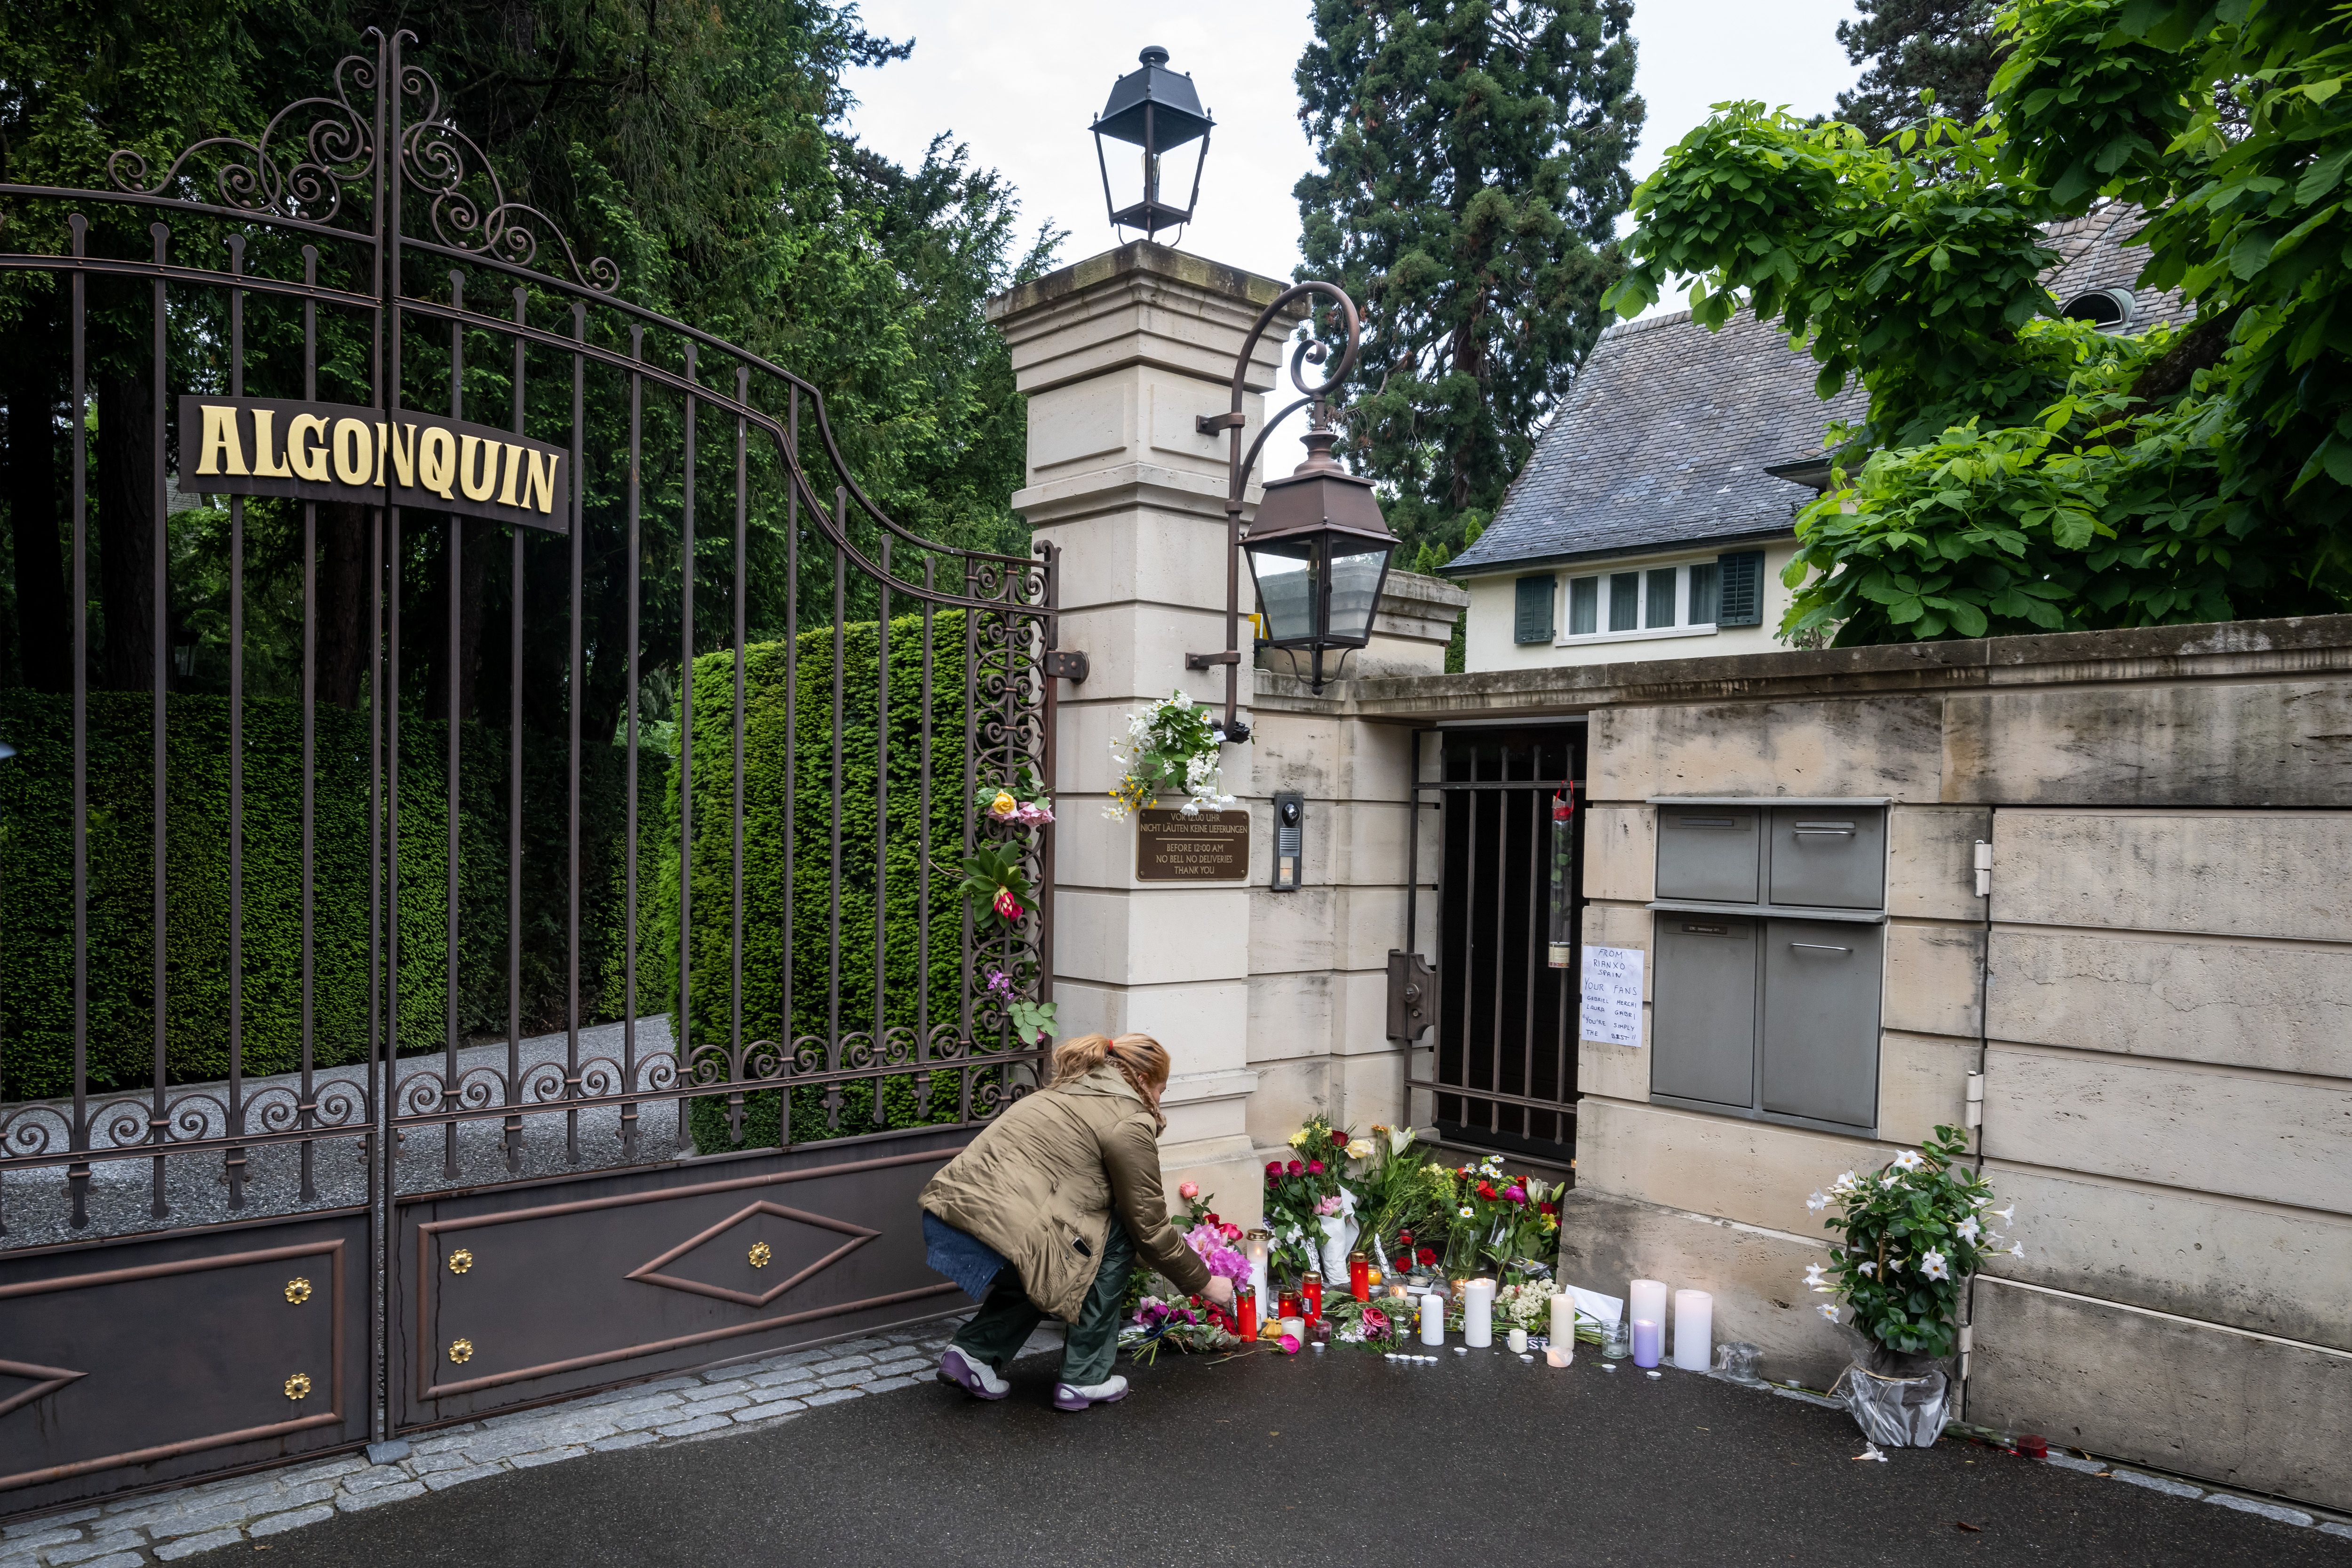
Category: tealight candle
[1433,1319]
[1558,1357]
[1297,1328]
[1645,1343]
[1478,1313]
[1518,1342]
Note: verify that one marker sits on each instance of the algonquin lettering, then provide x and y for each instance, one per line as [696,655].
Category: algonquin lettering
[337,452]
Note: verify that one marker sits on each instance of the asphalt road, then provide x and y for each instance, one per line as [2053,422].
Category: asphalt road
[1337,1458]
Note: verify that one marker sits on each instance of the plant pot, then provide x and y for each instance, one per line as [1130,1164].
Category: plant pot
[1895,1412]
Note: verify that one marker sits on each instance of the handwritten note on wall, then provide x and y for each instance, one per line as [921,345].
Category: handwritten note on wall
[1612,1010]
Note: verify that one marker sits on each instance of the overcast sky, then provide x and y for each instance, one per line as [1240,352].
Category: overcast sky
[1018,81]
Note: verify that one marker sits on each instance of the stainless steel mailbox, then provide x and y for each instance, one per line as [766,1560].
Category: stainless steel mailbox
[1708,853]
[1821,1020]
[1703,1009]
[1828,857]
[1769,951]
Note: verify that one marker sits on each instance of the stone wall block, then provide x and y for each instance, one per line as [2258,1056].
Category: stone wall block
[1933,978]
[1757,1172]
[2278,1271]
[1620,853]
[2269,743]
[1931,861]
[2238,1409]
[2287,1008]
[1922,1084]
[2278,874]
[1616,1072]
[2197,1129]
[1886,745]
[1757,1278]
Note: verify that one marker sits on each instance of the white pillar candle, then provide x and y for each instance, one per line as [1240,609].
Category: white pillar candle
[1433,1319]
[1518,1342]
[1478,1313]
[1693,1325]
[1294,1327]
[1563,1319]
[1647,1302]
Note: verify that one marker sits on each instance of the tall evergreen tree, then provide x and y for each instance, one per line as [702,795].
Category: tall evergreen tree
[1473,165]
[1946,45]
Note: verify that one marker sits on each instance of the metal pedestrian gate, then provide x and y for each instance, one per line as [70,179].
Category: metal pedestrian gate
[549,968]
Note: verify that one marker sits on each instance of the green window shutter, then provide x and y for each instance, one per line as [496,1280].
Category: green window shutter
[1533,622]
[1742,589]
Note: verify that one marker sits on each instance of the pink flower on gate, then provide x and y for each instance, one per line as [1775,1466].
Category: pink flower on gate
[1006,904]
[1188,1191]
[1032,814]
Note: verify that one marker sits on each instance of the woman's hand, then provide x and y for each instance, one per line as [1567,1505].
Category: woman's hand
[1220,1290]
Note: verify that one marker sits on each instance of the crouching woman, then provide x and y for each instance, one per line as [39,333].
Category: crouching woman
[1046,1213]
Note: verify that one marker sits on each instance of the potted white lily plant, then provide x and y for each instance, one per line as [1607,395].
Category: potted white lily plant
[1909,1236]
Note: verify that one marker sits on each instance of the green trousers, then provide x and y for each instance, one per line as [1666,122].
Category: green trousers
[1006,1319]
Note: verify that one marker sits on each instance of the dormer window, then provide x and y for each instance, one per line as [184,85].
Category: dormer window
[2109,310]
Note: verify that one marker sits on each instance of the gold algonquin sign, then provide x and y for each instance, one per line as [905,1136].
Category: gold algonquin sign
[335,452]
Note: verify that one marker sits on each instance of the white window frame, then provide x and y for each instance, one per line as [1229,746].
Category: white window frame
[1644,631]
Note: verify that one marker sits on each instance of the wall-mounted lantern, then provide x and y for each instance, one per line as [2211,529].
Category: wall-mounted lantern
[1318,548]
[1158,110]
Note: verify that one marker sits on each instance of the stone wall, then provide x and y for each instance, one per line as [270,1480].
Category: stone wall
[2164,970]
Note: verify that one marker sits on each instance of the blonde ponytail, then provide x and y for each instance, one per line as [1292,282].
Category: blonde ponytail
[1140,1058]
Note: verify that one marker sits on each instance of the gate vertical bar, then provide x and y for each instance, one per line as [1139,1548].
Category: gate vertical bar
[514,776]
[572,697]
[307,1106]
[629,758]
[924,849]
[454,647]
[1050,634]
[78,1174]
[686,751]
[158,1123]
[881,817]
[383,369]
[735,841]
[833,883]
[233,1160]
[792,482]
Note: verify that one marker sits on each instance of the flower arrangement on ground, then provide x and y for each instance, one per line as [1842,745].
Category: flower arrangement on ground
[1304,1191]
[1510,1224]
[1171,748]
[1909,1234]
[1186,1323]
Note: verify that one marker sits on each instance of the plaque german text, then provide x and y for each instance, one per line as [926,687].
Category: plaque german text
[1171,847]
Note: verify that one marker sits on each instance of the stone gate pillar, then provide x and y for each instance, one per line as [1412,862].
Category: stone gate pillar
[1117,355]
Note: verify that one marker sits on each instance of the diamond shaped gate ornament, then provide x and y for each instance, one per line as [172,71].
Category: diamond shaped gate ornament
[787,1235]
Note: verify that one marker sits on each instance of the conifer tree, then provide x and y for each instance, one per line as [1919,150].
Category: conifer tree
[1946,44]
[1473,169]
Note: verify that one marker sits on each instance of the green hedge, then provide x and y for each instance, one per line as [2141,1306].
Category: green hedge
[36,887]
[766,830]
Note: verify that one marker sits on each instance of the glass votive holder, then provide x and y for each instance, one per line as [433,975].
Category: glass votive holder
[1616,1339]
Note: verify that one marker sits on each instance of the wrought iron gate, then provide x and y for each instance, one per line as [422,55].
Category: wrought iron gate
[1502,1071]
[268,1186]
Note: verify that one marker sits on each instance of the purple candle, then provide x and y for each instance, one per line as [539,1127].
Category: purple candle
[1645,1343]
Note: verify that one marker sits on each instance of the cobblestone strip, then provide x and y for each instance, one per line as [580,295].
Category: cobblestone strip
[165,1527]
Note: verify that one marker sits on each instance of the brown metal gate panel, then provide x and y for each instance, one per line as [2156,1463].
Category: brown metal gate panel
[521,1294]
[127,1363]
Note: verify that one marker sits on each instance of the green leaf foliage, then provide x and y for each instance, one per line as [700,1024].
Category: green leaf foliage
[2015,472]
[1473,168]
[37,948]
[836,958]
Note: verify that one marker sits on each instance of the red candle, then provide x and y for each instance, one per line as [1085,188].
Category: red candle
[1359,1276]
[1311,1287]
[1286,1306]
[1245,1310]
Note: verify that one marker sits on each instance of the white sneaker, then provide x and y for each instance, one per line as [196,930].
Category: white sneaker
[974,1377]
[1070,1396]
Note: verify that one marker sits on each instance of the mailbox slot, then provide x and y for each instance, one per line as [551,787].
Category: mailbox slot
[1828,857]
[1821,1020]
[1703,1009]
[1709,852]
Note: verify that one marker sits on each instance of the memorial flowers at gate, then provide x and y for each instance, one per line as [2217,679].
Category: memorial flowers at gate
[995,883]
[1170,748]
[1910,1234]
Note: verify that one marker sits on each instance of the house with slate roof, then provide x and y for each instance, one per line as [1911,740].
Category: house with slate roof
[1658,510]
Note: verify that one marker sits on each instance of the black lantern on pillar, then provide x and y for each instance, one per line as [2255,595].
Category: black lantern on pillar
[1158,110]
[1319,550]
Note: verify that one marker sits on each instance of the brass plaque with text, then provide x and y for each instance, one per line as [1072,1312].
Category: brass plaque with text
[1171,847]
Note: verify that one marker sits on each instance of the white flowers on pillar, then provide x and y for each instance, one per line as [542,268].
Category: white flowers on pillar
[1171,746]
